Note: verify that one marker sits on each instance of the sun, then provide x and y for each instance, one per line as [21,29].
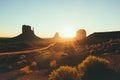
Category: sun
[68,33]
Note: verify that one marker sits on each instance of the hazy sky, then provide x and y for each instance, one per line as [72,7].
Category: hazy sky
[63,16]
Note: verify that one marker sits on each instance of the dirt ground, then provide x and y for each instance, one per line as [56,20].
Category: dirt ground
[35,75]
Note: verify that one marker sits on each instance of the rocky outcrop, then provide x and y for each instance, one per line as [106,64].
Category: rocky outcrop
[56,36]
[80,34]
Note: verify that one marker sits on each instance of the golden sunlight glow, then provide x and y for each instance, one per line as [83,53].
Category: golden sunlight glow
[68,33]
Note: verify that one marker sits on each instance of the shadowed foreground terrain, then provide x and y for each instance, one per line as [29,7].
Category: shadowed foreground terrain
[37,65]
[43,59]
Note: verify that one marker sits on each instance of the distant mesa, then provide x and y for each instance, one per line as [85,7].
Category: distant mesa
[100,37]
[56,36]
[80,34]
[26,35]
[97,37]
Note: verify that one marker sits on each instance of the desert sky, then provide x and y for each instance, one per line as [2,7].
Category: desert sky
[63,16]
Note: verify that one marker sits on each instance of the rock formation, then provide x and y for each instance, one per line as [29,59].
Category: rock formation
[26,35]
[100,37]
[80,34]
[26,30]
[56,36]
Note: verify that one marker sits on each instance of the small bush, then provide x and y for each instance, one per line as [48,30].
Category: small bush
[53,63]
[26,70]
[34,64]
[93,67]
[64,73]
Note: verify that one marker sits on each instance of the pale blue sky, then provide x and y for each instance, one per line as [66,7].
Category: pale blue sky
[63,16]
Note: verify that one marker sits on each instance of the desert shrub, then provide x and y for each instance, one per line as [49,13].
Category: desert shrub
[25,70]
[52,66]
[64,73]
[72,60]
[34,64]
[93,68]
[53,63]
[43,60]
